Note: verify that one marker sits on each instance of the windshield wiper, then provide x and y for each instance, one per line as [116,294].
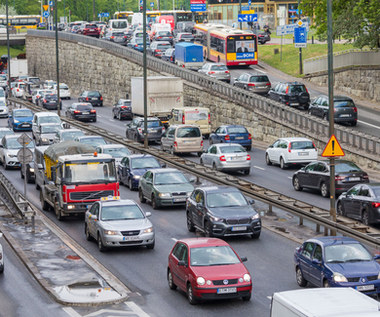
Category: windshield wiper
[335,261]
[356,260]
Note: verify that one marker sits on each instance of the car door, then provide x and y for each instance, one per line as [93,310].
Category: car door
[148,186]
[274,151]
[316,266]
[316,175]
[362,202]
[169,139]
[207,157]
[91,220]
[121,170]
[178,254]
[305,258]
[323,107]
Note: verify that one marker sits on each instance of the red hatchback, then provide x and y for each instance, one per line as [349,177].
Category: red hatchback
[208,268]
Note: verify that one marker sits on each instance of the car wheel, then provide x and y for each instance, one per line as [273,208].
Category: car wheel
[114,116]
[208,230]
[37,186]
[299,277]
[170,280]
[256,235]
[172,150]
[325,117]
[267,159]
[247,297]
[190,295]
[150,246]
[201,162]
[87,233]
[324,190]
[94,120]
[154,203]
[214,166]
[296,184]
[354,123]
[101,246]
[190,224]
[365,217]
[44,204]
[246,172]
[326,283]
[282,163]
[200,154]
[141,196]
[340,209]
[130,184]
[57,211]
[249,148]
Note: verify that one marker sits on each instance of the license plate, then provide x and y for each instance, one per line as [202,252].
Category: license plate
[179,199]
[94,98]
[365,287]
[239,228]
[354,179]
[226,290]
[345,115]
[294,104]
[131,238]
[303,153]
[239,138]
[85,113]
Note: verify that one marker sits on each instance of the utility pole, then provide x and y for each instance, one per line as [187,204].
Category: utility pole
[145,78]
[241,25]
[57,55]
[9,56]
[93,10]
[300,49]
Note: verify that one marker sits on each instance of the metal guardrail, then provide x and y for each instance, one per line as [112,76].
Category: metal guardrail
[319,216]
[353,141]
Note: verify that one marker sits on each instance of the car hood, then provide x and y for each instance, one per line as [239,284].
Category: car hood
[48,135]
[14,151]
[170,188]
[24,119]
[139,171]
[220,272]
[123,225]
[233,212]
[355,269]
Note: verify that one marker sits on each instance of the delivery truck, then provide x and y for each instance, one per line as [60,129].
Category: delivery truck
[189,55]
[163,94]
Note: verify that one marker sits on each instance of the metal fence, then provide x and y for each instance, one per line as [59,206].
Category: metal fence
[353,141]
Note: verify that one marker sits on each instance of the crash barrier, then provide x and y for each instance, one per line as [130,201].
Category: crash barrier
[320,217]
[361,144]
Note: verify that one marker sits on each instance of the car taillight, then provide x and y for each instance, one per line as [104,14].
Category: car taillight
[287,89]
[365,176]
[375,205]
[202,143]
[157,50]
[76,111]
[175,144]
[248,157]
[290,147]
[251,85]
[123,107]
[222,158]
[136,45]
[112,37]
[125,36]
[171,58]
[227,71]
[227,137]
[93,111]
[101,98]
[159,37]
[210,73]
[315,146]
[268,84]
[209,119]
[163,129]
[140,130]
[249,136]
[87,99]
[339,178]
[183,119]
[44,100]
[355,109]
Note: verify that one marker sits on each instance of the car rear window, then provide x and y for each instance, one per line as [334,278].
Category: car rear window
[91,26]
[163,46]
[51,97]
[188,132]
[346,167]
[296,89]
[154,124]
[84,107]
[119,24]
[302,145]
[93,94]
[343,104]
[232,149]
[187,36]
[196,115]
[237,130]
[219,67]
[259,79]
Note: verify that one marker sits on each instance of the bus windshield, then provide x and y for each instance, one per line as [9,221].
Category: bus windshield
[240,45]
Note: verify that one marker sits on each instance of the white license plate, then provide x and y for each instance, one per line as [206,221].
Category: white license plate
[226,290]
[365,287]
[85,113]
[179,199]
[94,98]
[239,138]
[354,179]
[303,153]
[294,104]
[239,228]
[345,115]
[131,238]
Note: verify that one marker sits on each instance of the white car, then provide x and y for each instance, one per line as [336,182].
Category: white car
[4,112]
[1,257]
[44,117]
[287,151]
[117,151]
[2,95]
[18,90]
[49,84]
[9,148]
[64,92]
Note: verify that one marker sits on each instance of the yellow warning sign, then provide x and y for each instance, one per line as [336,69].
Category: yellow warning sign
[46,7]
[333,148]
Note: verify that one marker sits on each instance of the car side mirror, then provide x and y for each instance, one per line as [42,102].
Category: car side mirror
[93,217]
[181,263]
[376,257]
[236,79]
[163,165]
[148,214]
[193,180]
[252,201]
[40,166]
[271,146]
[243,259]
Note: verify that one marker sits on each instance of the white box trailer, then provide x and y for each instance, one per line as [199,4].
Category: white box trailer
[163,94]
[324,302]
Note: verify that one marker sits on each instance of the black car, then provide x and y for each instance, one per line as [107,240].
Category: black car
[263,37]
[30,175]
[293,94]
[222,211]
[135,130]
[345,110]
[93,97]
[169,55]
[361,202]
[81,111]
[50,102]
[316,175]
[122,109]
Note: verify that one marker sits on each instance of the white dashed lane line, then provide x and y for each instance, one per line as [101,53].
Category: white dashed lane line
[260,168]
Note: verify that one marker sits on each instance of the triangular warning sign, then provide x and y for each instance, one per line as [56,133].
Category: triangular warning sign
[46,7]
[333,148]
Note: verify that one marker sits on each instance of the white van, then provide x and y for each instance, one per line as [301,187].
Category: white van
[119,25]
[324,302]
[192,115]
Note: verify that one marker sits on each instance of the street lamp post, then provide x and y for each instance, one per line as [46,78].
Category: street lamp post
[57,54]
[9,56]
[145,78]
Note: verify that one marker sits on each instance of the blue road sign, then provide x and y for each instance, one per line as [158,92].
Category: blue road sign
[245,8]
[99,15]
[106,14]
[141,2]
[152,4]
[51,3]
[249,2]
[46,14]
[300,37]
[198,7]
[247,17]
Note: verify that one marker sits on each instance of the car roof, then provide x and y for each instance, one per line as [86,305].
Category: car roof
[118,202]
[255,74]
[218,189]
[139,156]
[148,119]
[337,161]
[89,137]
[111,146]
[164,170]
[293,83]
[226,144]
[233,126]
[82,104]
[203,242]
[331,240]
[71,130]
[293,139]
[184,126]
[46,114]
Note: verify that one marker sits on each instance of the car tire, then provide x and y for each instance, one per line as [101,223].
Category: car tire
[37,186]
[246,172]
[324,190]
[296,184]
[130,186]
[201,162]
[208,230]
[340,209]
[190,295]
[326,283]
[141,197]
[365,217]
[170,280]
[282,164]
[299,277]
[354,123]
[189,223]
[256,235]
[172,151]
[214,166]
[200,154]
[249,148]
[247,297]
[101,246]
[114,116]
[150,246]
[87,233]
[154,203]
[94,120]
[57,211]
[45,206]
[267,159]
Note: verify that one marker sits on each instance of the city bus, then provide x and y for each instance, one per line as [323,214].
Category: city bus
[179,16]
[223,44]
[22,21]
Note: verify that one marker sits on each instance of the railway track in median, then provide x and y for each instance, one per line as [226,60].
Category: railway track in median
[319,216]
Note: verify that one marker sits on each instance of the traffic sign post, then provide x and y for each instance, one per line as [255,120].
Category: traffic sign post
[152,4]
[333,148]
[300,40]
[247,17]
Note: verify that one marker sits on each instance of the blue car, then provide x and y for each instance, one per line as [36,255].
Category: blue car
[232,134]
[20,119]
[137,43]
[132,167]
[337,262]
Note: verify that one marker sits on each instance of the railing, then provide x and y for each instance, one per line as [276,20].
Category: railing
[353,141]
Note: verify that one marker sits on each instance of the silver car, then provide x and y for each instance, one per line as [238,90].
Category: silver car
[257,83]
[46,133]
[115,223]
[218,71]
[229,157]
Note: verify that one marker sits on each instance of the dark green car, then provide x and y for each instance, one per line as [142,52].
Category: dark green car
[164,187]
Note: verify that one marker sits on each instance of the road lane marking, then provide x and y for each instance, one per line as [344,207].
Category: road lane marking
[269,297]
[136,309]
[259,70]
[371,125]
[174,239]
[290,177]
[260,168]
[71,312]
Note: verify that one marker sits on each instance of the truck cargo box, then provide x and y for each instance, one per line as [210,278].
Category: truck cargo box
[189,55]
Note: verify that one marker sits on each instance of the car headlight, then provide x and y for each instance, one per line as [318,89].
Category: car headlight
[16,121]
[164,195]
[246,277]
[111,232]
[31,170]
[136,176]
[337,277]
[255,216]
[148,230]
[45,140]
[215,219]
[201,281]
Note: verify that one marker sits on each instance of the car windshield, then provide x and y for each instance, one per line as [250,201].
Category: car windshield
[51,97]
[34,80]
[93,94]
[89,172]
[2,103]
[341,253]
[302,145]
[213,255]
[196,115]
[5,132]
[232,130]
[170,178]
[154,124]
[122,24]
[117,151]
[345,167]
[189,132]
[13,144]
[232,149]
[121,212]
[90,26]
[95,141]
[219,67]
[163,33]
[343,103]
[50,128]
[226,199]
[22,113]
[296,89]
[70,135]
[144,162]
[50,119]
[187,36]
[118,33]
[259,79]
[2,93]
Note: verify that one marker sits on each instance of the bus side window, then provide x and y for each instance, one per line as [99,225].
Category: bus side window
[230,46]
